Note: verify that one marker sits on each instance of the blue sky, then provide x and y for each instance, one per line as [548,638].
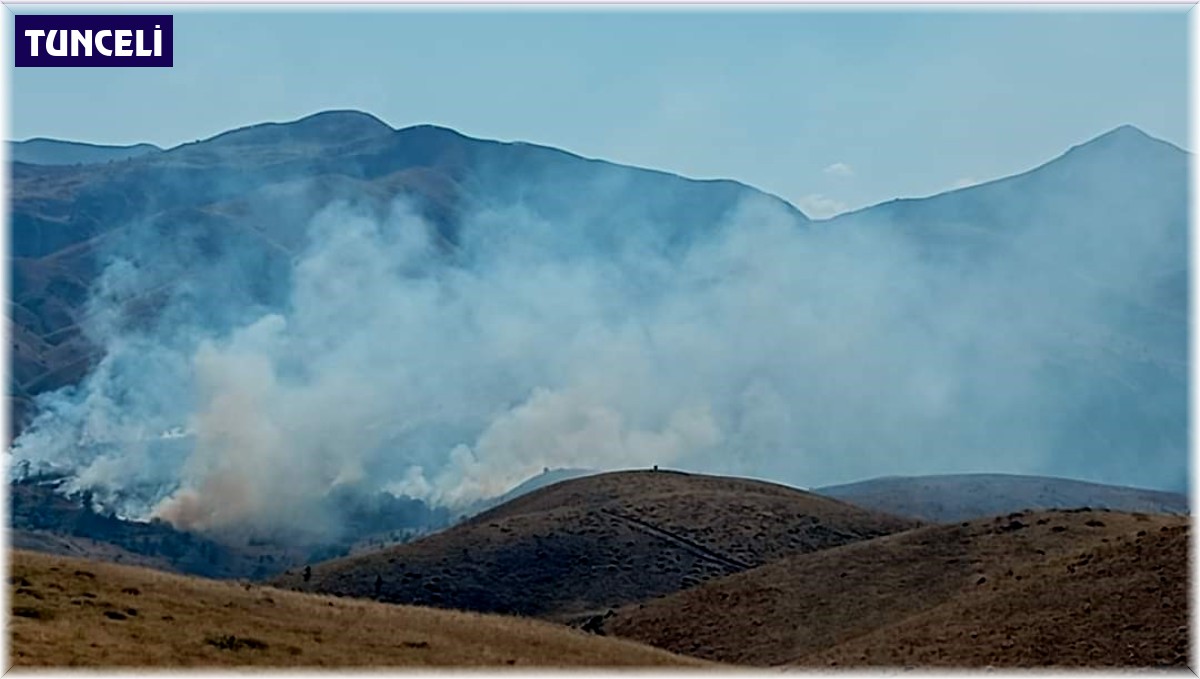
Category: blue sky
[831,110]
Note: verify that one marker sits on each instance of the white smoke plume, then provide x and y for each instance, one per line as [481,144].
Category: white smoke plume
[805,354]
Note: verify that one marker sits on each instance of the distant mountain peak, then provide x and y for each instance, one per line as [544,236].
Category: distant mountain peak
[338,125]
[1124,137]
[43,151]
[431,131]
[342,117]
[1126,134]
[430,127]
[1125,130]
[87,144]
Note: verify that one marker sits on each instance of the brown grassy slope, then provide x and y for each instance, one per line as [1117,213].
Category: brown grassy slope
[78,547]
[71,612]
[1124,605]
[588,544]
[1067,588]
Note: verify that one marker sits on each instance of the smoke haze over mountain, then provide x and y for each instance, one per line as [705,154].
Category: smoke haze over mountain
[538,327]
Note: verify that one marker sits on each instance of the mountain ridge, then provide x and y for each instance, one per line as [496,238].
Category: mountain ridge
[946,498]
[1125,133]
[58,152]
[226,201]
[61,214]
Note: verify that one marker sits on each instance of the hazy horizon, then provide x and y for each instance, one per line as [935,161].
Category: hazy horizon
[831,110]
[961,185]
[286,316]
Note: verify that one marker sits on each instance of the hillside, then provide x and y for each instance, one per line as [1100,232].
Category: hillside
[101,549]
[1063,588]
[58,152]
[1084,258]
[984,216]
[252,191]
[45,519]
[579,547]
[486,291]
[959,497]
[71,612]
[41,519]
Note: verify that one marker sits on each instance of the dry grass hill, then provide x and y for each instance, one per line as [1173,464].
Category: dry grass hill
[1062,588]
[716,569]
[71,612]
[83,548]
[577,548]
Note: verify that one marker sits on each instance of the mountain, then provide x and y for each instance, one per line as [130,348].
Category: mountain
[1061,294]
[45,517]
[574,549]
[73,612]
[1035,324]
[251,191]
[1061,588]
[57,152]
[961,497]
[1039,198]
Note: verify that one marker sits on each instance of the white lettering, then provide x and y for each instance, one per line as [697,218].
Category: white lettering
[124,38]
[33,40]
[76,43]
[59,50]
[81,39]
[141,51]
[100,36]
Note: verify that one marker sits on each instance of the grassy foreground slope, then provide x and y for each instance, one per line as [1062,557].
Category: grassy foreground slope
[1061,588]
[72,612]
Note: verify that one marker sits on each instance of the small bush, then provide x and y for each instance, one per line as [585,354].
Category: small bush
[229,642]
[31,612]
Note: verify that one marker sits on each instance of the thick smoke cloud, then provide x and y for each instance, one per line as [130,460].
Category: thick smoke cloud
[804,353]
